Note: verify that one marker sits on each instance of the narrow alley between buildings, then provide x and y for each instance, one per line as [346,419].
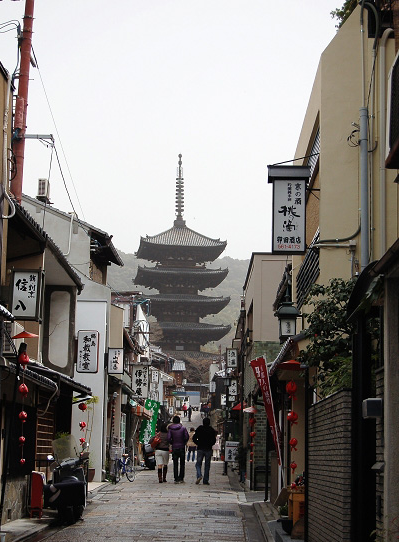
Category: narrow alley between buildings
[147,511]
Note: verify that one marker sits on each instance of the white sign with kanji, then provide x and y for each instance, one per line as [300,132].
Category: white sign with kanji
[87,360]
[231,357]
[115,361]
[289,202]
[233,389]
[25,294]
[140,380]
[230,450]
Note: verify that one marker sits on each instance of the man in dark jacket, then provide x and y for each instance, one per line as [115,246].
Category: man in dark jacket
[204,437]
[177,437]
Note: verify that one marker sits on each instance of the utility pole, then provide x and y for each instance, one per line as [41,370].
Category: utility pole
[22,100]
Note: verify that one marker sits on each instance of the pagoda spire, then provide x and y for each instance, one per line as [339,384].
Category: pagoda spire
[179,195]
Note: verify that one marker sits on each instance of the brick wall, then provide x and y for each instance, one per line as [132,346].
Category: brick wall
[329,477]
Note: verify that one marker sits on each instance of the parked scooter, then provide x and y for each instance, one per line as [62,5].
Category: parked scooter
[67,490]
[149,457]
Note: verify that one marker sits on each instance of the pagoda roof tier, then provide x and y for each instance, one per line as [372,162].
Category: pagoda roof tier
[153,277]
[199,305]
[199,332]
[180,243]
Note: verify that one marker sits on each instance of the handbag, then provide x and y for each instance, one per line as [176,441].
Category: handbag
[156,441]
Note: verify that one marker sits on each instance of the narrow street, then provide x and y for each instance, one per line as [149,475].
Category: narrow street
[147,511]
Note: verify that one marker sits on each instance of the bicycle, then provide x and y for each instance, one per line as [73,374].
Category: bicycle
[124,466]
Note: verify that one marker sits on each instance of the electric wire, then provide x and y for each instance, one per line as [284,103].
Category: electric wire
[59,139]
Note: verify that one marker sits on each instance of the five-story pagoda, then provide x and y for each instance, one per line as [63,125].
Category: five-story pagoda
[180,256]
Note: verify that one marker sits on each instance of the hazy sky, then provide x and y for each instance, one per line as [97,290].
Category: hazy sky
[133,83]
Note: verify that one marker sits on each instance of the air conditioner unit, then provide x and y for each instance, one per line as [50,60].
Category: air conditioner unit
[13,329]
[392,130]
[43,190]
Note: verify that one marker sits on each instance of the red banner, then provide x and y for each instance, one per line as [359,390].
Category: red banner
[260,370]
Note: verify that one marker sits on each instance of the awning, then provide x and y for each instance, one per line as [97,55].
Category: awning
[61,380]
[142,412]
[250,410]
[238,406]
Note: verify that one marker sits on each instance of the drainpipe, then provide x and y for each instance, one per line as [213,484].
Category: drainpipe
[22,101]
[363,143]
[382,145]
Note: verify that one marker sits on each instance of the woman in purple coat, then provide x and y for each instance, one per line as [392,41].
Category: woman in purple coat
[177,437]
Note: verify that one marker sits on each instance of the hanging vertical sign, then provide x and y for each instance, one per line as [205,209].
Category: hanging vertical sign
[260,370]
[26,294]
[289,208]
[140,380]
[115,361]
[87,360]
[231,357]
[233,388]
[147,429]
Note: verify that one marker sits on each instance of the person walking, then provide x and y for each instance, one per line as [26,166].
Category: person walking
[191,446]
[216,448]
[177,437]
[204,437]
[189,412]
[184,408]
[162,453]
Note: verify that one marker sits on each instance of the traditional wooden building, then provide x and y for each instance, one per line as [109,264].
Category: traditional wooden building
[180,256]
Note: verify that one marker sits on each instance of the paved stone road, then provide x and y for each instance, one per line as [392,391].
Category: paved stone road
[147,511]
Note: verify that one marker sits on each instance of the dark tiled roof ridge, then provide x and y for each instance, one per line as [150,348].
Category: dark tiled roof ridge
[182,236]
[83,224]
[183,270]
[188,297]
[193,325]
[51,244]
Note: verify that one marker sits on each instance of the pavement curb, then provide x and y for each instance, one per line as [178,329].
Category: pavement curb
[265,512]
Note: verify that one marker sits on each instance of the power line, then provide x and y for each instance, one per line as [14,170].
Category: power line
[62,148]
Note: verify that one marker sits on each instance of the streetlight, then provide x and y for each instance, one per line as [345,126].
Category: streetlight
[287,315]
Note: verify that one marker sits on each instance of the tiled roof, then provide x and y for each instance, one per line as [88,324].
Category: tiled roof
[183,236]
[188,271]
[179,366]
[192,326]
[185,298]
[105,240]
[43,237]
[204,278]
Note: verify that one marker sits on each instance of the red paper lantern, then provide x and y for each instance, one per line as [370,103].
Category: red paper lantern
[23,358]
[23,389]
[22,416]
[293,466]
[252,434]
[252,421]
[293,485]
[82,425]
[252,444]
[251,461]
[291,388]
[22,461]
[82,406]
[251,454]
[293,443]
[292,417]
[82,440]
[21,440]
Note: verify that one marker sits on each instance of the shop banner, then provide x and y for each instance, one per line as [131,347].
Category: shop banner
[147,429]
[260,370]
